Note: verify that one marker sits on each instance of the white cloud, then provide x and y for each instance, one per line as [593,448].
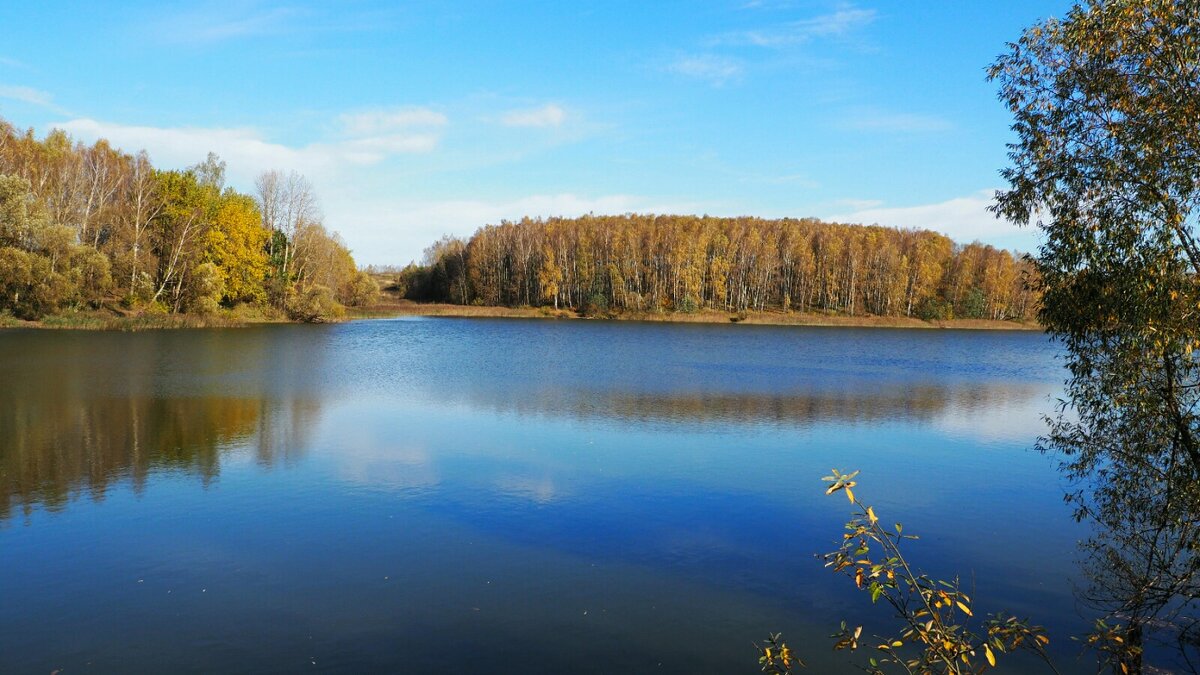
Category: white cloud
[373,135]
[836,24]
[963,219]
[25,94]
[243,149]
[248,153]
[374,122]
[549,115]
[861,204]
[798,179]
[716,70]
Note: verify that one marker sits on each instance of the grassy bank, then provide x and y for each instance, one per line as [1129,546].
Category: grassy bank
[774,318]
[113,319]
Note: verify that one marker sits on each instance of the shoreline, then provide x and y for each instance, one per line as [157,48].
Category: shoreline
[765,318]
[391,308]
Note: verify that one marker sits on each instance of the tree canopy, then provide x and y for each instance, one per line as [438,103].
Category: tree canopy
[1106,162]
[85,225]
[684,263]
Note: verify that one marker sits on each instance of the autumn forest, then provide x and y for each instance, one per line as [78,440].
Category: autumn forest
[88,226]
[602,265]
[83,226]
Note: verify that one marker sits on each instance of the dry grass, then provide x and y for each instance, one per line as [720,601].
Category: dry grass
[125,320]
[244,315]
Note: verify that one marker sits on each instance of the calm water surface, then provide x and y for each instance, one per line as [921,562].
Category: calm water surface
[505,496]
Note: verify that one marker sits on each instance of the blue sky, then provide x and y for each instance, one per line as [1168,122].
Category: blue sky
[419,119]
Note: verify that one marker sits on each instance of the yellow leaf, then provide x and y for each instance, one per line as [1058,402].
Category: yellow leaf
[871,515]
[987,651]
[850,495]
[966,610]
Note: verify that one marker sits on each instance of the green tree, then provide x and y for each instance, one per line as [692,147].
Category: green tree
[1107,162]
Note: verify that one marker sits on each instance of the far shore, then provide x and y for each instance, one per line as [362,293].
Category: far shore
[768,318]
[106,319]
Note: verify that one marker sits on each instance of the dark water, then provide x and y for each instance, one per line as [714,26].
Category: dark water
[504,496]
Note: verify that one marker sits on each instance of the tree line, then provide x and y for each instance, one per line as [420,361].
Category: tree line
[652,263]
[85,225]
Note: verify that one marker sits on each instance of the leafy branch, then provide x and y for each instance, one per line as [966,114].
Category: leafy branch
[936,635]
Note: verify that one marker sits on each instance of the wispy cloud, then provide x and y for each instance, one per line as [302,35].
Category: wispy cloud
[42,99]
[381,121]
[836,24]
[13,63]
[860,204]
[549,115]
[800,180]
[893,122]
[212,23]
[26,94]
[714,69]
[370,136]
[796,179]
[367,138]
[768,4]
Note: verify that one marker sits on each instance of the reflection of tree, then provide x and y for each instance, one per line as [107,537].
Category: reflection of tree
[1105,103]
[79,413]
[54,447]
[1143,568]
[66,444]
[860,403]
[282,431]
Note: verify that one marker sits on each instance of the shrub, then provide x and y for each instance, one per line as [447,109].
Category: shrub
[314,305]
[933,309]
[360,291]
[206,290]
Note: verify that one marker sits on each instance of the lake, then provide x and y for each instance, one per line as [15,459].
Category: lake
[507,495]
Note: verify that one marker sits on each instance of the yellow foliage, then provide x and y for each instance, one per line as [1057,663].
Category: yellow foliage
[236,244]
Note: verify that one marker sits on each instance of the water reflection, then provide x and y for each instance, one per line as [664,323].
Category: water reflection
[79,412]
[363,495]
[851,405]
[95,410]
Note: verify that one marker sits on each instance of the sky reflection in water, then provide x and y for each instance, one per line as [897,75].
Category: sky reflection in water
[503,495]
